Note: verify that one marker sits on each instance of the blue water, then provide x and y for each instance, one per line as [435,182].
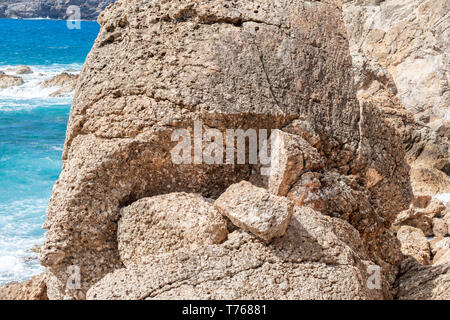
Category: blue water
[32,131]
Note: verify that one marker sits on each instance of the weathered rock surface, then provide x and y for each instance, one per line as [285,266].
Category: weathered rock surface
[408,39]
[157,67]
[421,218]
[33,289]
[419,282]
[438,244]
[318,258]
[414,244]
[167,223]
[442,257]
[65,82]
[7,81]
[89,9]
[400,62]
[256,210]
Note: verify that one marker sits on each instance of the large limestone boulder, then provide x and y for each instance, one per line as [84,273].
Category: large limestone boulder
[156,68]
[167,223]
[7,81]
[256,210]
[318,258]
[406,41]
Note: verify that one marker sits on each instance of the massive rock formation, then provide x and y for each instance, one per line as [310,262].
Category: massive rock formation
[399,50]
[54,9]
[157,66]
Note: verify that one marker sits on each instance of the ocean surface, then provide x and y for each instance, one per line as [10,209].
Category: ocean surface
[32,132]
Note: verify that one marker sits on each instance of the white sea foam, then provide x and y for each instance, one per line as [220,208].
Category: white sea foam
[32,88]
[18,234]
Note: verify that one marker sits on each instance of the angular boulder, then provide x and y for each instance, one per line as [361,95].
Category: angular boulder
[440,227]
[33,289]
[420,215]
[255,210]
[291,155]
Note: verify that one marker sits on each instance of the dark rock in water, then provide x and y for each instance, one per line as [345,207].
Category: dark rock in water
[89,9]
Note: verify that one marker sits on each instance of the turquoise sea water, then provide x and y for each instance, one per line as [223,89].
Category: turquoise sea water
[32,131]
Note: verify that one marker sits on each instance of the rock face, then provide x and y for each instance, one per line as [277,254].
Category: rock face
[7,81]
[255,210]
[308,262]
[399,52]
[266,64]
[89,9]
[167,223]
[419,282]
[33,289]
[65,82]
[409,40]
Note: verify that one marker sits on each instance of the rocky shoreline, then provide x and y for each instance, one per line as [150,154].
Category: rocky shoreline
[63,84]
[51,9]
[342,212]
